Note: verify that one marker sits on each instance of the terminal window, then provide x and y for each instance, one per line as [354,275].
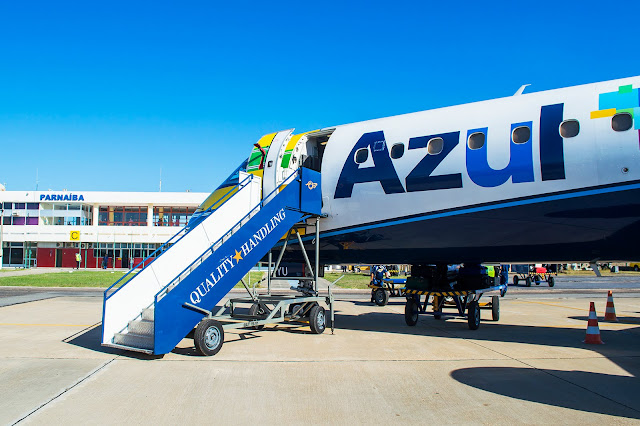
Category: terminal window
[172,216]
[65,214]
[20,213]
[122,216]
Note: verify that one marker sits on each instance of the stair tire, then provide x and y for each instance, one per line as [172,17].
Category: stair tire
[209,337]
[317,319]
[256,310]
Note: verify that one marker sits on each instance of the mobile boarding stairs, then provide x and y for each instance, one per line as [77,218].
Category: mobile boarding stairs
[153,310]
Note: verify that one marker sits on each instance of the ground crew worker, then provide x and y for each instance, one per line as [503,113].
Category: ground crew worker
[78,260]
[491,272]
[378,273]
[504,274]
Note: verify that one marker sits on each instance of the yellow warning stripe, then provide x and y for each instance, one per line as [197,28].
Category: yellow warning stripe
[438,293]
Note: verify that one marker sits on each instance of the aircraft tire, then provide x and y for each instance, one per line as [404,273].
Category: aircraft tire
[317,320]
[552,281]
[473,316]
[381,297]
[515,280]
[255,310]
[495,308]
[411,312]
[209,337]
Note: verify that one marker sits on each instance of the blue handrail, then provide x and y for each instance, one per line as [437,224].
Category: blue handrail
[205,213]
[260,204]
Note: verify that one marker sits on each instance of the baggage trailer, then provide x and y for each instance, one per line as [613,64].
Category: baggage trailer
[531,274]
[461,300]
[391,287]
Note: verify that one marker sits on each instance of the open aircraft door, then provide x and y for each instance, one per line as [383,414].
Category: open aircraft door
[273,171]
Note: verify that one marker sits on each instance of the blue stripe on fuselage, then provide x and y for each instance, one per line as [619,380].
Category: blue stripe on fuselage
[497,205]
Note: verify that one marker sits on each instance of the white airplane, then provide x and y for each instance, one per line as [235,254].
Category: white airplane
[548,176]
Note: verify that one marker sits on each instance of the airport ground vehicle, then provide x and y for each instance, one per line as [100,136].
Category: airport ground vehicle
[391,287]
[418,302]
[532,274]
[154,309]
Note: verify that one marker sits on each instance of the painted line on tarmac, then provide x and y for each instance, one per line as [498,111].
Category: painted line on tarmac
[551,304]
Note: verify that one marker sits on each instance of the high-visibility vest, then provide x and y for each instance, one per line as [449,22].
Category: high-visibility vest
[78,257]
[491,271]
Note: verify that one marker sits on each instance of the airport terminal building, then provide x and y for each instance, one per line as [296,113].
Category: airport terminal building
[48,228]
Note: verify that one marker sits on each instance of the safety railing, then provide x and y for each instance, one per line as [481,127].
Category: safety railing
[215,246]
[179,235]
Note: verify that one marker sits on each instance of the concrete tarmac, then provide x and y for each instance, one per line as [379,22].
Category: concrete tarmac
[530,367]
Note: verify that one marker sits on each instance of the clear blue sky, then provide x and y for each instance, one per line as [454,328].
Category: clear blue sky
[102,95]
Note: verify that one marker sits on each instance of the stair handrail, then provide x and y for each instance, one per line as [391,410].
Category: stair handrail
[227,234]
[206,212]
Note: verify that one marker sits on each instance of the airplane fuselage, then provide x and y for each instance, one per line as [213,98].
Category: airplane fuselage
[526,193]
[547,176]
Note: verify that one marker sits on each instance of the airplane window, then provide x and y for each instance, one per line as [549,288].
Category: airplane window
[621,122]
[476,140]
[397,150]
[521,134]
[435,146]
[569,128]
[361,155]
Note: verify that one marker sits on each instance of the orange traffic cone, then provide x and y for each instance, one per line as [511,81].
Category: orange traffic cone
[610,312]
[593,331]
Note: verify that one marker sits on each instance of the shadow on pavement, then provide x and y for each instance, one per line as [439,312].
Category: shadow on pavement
[619,342]
[577,390]
[617,395]
[90,339]
[621,320]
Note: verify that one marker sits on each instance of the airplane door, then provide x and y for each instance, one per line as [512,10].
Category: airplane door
[272,175]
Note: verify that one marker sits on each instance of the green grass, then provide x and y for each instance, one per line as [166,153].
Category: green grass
[350,280]
[79,279]
[64,279]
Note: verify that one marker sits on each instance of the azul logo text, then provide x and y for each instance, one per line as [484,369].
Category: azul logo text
[520,168]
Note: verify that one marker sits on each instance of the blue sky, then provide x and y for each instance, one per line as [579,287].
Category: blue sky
[101,96]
